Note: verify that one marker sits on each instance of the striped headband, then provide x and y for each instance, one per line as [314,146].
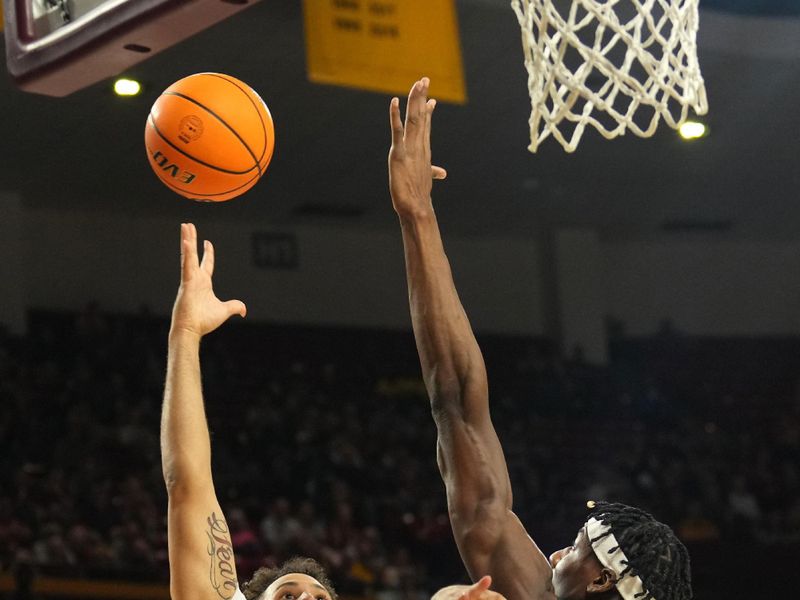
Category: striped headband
[610,554]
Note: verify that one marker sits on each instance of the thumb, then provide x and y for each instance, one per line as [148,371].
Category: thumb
[438,172]
[235,307]
[477,588]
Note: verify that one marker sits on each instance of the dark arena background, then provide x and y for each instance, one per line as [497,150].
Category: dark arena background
[637,303]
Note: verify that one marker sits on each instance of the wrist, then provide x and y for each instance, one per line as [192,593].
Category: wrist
[181,336]
[421,213]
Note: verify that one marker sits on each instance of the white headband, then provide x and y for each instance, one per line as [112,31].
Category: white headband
[629,586]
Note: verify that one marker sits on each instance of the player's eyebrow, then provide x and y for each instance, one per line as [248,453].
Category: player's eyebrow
[285,583]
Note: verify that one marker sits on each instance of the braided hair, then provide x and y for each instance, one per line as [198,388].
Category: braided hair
[653,551]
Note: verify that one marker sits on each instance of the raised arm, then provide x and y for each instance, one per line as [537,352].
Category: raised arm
[201,557]
[489,536]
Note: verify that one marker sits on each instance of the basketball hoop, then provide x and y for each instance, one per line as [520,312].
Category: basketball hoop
[616,65]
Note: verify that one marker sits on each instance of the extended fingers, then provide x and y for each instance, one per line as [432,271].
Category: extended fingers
[430,106]
[436,172]
[208,258]
[395,122]
[416,110]
[188,248]
[183,248]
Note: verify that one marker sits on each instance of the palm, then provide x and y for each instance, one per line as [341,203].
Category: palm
[405,183]
[197,309]
[410,169]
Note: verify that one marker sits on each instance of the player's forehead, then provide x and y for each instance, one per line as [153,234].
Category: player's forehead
[294,580]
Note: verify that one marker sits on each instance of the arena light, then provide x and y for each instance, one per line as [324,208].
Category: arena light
[692,130]
[127,87]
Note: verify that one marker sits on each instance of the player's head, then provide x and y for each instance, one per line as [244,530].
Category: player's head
[622,551]
[296,578]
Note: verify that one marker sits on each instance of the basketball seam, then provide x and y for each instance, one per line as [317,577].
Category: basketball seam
[221,120]
[182,190]
[263,125]
[152,122]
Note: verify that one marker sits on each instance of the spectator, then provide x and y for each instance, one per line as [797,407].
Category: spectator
[349,439]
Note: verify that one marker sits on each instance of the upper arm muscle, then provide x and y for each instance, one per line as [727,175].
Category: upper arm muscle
[490,537]
[518,568]
[505,551]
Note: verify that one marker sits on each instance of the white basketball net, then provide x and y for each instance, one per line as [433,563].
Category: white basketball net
[612,64]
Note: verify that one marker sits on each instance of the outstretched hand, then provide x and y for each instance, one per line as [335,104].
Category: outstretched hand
[477,591]
[197,310]
[410,171]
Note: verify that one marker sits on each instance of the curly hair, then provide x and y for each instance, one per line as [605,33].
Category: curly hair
[654,553]
[264,577]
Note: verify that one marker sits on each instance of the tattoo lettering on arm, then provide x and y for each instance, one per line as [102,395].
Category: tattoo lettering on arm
[220,550]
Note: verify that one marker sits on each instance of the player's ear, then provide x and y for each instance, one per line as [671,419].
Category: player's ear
[601,584]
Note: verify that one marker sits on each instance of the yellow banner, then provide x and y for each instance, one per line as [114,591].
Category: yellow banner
[85,588]
[385,45]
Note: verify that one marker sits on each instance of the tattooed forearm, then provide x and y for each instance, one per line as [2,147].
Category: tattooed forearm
[223,571]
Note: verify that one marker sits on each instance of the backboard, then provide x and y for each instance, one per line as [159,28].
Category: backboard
[56,47]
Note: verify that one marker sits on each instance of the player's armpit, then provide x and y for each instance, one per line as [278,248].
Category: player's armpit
[490,537]
[494,542]
[201,556]
[519,570]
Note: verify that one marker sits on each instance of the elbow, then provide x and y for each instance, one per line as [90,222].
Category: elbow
[171,481]
[184,480]
[452,389]
[174,483]
[181,489]
[172,469]
[446,394]
[445,407]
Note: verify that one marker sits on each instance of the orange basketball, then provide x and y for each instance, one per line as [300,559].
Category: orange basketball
[209,137]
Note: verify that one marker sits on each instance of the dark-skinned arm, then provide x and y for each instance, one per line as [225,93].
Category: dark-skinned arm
[490,537]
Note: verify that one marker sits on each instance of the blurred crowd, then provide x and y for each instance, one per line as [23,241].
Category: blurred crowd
[323,445]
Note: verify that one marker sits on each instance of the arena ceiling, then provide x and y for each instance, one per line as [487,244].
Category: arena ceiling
[86,151]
